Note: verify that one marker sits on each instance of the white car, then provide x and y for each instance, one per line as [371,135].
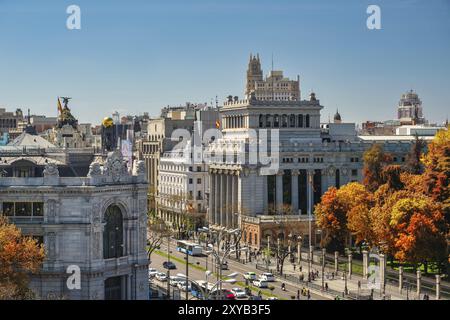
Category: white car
[161,276]
[250,275]
[272,298]
[267,277]
[239,293]
[260,283]
[152,272]
[182,286]
[174,280]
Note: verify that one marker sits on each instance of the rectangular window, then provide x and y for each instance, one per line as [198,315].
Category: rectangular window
[190,180]
[23,209]
[354,172]
[199,181]
[8,208]
[38,209]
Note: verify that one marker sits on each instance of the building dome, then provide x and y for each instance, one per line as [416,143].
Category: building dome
[337,117]
[107,122]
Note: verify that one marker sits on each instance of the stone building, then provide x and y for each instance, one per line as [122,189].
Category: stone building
[273,87]
[88,211]
[274,162]
[9,120]
[410,109]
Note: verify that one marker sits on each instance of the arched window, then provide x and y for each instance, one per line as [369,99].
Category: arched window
[292,121]
[284,121]
[307,121]
[268,121]
[300,120]
[113,233]
[276,121]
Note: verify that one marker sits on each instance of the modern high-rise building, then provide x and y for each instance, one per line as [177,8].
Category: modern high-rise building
[274,87]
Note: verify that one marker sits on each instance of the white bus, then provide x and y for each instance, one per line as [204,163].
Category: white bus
[189,248]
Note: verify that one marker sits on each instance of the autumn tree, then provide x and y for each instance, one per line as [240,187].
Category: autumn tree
[420,231]
[157,230]
[358,201]
[331,217]
[19,256]
[375,159]
[436,176]
[413,159]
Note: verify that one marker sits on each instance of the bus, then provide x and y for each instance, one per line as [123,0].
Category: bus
[189,248]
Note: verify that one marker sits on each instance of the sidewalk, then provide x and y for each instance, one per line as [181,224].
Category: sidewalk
[338,283]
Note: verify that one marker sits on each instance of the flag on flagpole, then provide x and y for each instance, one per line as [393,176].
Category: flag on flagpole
[59,106]
[217,124]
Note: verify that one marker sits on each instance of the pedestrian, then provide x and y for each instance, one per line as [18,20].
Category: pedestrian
[326,286]
[298,294]
[300,268]
[294,267]
[309,295]
[332,275]
[359,284]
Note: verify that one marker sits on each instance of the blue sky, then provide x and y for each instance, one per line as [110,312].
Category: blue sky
[136,56]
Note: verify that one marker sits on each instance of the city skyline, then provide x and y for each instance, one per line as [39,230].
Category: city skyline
[134,61]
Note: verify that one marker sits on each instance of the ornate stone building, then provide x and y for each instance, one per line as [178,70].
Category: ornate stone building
[93,217]
[274,162]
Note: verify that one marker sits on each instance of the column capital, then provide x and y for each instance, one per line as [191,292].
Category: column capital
[295,172]
[280,173]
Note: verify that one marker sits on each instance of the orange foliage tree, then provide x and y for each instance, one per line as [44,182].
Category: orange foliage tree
[375,159]
[19,256]
[420,230]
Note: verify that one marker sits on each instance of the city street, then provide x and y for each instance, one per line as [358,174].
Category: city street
[234,266]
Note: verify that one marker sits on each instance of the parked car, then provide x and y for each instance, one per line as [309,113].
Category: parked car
[261,283]
[239,293]
[224,265]
[174,280]
[169,265]
[255,298]
[182,286]
[272,298]
[250,275]
[161,276]
[226,295]
[152,272]
[267,276]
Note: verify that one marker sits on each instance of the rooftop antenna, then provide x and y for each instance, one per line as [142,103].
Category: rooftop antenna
[217,102]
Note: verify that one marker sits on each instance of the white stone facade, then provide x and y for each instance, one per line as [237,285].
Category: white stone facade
[71,222]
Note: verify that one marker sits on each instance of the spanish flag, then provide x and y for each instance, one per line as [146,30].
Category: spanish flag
[217,124]
[59,106]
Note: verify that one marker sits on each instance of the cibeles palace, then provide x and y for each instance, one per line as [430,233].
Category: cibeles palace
[89,210]
[273,199]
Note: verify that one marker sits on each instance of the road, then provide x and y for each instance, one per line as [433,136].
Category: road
[234,266]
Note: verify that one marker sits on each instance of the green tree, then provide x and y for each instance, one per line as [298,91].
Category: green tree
[375,159]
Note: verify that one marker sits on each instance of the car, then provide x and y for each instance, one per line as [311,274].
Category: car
[161,276]
[174,280]
[239,293]
[152,272]
[272,298]
[182,286]
[261,283]
[169,265]
[250,275]
[267,276]
[224,265]
[226,295]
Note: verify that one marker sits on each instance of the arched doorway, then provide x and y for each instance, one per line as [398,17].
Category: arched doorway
[113,233]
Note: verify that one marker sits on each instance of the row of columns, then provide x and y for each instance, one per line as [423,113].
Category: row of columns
[295,201]
[382,273]
[232,122]
[224,198]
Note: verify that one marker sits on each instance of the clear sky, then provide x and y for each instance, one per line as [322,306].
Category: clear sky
[140,55]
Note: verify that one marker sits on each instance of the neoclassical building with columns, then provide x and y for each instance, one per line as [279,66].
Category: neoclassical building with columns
[274,161]
[90,215]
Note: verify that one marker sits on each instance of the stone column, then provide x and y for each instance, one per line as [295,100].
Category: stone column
[230,200]
[294,191]
[311,256]
[365,264]
[336,262]
[299,253]
[212,199]
[419,282]
[309,194]
[217,200]
[400,280]
[223,199]
[438,287]
[382,271]
[279,191]
[233,201]
[265,195]
[350,258]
